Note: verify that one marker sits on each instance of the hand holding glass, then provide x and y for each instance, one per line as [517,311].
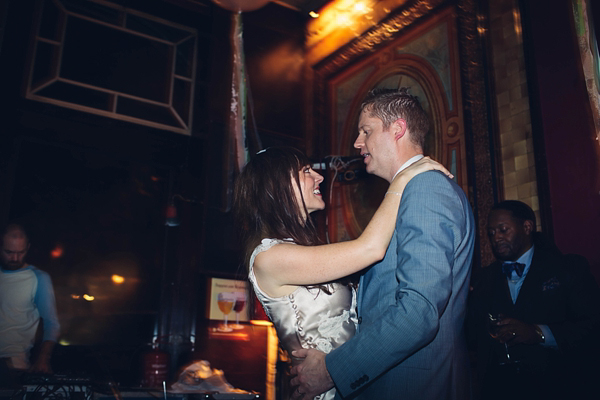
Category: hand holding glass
[494,330]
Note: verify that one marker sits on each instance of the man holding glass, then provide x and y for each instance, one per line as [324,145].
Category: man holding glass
[534,314]
[410,341]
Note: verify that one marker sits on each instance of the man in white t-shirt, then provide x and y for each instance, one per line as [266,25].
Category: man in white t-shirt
[26,296]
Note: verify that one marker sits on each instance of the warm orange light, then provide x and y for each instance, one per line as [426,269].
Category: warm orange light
[57,252]
[117,279]
[260,322]
[88,297]
[313,14]
[343,20]
[360,8]
[75,296]
[517,22]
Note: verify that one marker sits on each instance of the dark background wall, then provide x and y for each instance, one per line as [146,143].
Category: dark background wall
[567,152]
[97,188]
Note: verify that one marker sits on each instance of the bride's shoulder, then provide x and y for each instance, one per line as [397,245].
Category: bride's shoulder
[267,243]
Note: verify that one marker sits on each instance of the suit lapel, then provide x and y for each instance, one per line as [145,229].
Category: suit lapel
[498,295]
[370,281]
[365,278]
[531,281]
[504,299]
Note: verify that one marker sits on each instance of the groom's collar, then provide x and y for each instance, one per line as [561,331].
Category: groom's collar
[410,161]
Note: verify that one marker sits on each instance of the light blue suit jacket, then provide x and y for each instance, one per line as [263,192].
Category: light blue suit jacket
[412,305]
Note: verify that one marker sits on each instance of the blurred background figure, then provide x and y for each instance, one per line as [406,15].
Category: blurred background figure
[26,298]
[534,313]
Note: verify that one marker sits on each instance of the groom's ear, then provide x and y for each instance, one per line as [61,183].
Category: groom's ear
[399,128]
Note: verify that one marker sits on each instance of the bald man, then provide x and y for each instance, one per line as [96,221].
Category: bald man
[26,296]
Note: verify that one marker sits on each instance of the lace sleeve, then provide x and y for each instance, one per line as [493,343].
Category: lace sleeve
[264,245]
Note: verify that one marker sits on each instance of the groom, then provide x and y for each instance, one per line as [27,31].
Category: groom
[411,306]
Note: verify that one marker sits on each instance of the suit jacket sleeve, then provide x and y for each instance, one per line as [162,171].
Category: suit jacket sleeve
[430,224]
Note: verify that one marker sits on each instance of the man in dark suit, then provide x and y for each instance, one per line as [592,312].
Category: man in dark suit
[534,313]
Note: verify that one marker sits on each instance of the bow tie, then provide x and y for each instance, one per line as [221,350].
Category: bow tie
[509,266]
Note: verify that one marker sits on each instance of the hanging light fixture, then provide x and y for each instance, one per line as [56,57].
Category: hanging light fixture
[237,150]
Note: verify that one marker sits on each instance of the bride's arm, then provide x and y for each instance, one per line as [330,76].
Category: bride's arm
[290,264]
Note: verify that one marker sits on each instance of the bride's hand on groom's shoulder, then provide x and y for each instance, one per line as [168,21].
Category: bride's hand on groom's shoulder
[423,165]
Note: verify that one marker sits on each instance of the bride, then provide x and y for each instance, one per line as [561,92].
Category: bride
[297,279]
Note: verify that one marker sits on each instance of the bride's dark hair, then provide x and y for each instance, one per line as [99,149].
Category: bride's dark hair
[265,203]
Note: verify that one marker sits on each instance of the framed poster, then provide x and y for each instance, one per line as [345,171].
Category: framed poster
[436,48]
[227,302]
[425,59]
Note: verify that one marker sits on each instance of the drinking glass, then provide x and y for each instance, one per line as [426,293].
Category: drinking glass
[238,307]
[225,300]
[493,330]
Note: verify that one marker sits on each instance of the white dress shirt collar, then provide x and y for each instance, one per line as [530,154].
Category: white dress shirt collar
[410,161]
[515,282]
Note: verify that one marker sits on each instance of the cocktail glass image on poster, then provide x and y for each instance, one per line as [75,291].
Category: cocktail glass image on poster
[225,301]
[227,298]
[238,306]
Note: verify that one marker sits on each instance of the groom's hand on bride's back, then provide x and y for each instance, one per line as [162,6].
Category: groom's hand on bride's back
[310,378]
